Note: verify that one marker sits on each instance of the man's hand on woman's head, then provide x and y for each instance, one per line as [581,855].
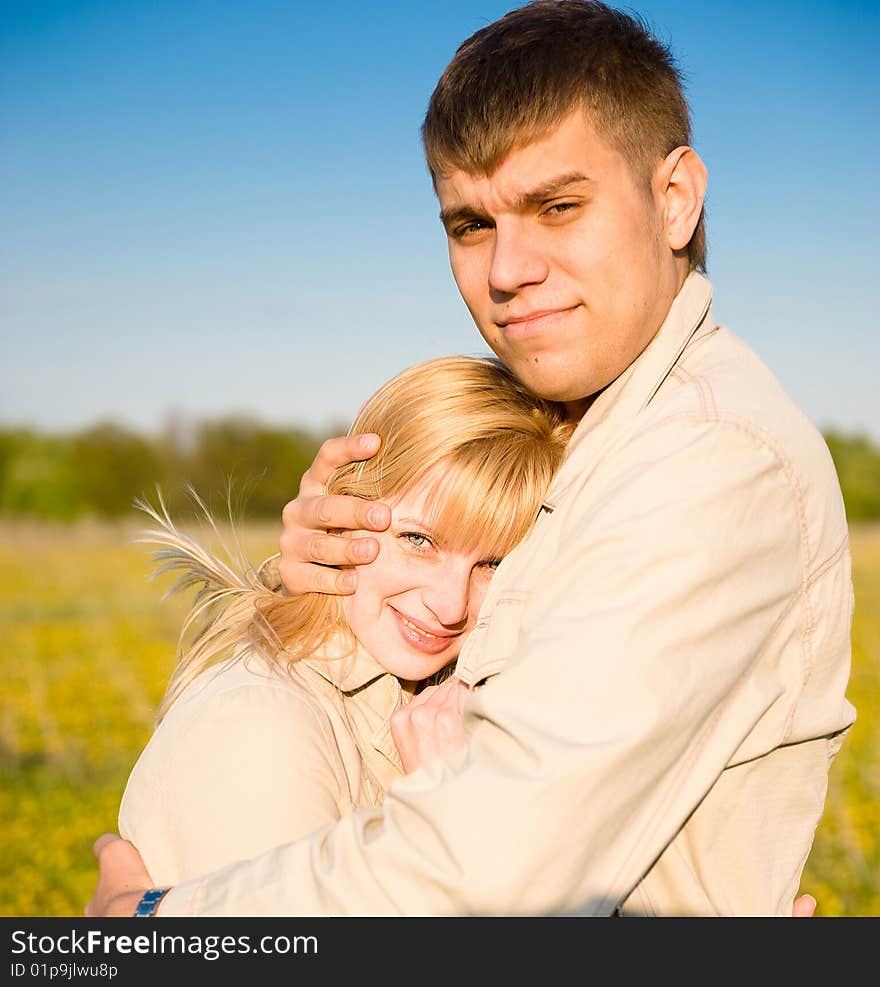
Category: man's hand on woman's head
[308,550]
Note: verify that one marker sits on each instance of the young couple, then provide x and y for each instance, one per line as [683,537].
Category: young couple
[653,684]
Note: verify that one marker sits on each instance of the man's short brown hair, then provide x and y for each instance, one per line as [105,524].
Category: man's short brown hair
[516,79]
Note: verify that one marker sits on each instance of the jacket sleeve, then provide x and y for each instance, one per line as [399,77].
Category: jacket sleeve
[643,659]
[254,768]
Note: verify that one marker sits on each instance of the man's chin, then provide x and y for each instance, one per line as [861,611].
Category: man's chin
[548,384]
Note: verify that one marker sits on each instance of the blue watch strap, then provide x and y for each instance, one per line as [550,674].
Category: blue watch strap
[148,904]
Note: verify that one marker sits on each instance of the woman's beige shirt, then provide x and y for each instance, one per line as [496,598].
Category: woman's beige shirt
[251,756]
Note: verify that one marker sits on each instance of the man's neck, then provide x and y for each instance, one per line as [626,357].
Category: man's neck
[575,410]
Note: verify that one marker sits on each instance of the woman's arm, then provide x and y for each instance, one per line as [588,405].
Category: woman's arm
[225,779]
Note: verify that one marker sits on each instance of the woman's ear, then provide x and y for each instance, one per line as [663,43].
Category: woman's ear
[681,182]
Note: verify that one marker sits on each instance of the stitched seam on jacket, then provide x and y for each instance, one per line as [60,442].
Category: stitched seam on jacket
[812,579]
[702,740]
[760,436]
[696,343]
[808,622]
[703,389]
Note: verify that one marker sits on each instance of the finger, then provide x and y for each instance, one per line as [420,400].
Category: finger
[399,724]
[336,452]
[121,865]
[304,577]
[804,907]
[324,549]
[340,512]
[420,698]
[454,686]
[451,694]
[448,695]
[103,841]
[120,856]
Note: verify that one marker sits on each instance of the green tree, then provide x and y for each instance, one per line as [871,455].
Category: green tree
[37,476]
[112,466]
[857,462]
[260,466]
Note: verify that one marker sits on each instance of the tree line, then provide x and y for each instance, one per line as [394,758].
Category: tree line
[100,470]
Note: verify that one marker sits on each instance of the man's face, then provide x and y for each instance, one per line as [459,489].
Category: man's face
[562,259]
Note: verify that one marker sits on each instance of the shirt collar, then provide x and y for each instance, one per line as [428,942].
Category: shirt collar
[362,681]
[347,670]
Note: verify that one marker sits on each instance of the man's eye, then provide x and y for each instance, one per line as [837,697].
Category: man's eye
[469,229]
[560,208]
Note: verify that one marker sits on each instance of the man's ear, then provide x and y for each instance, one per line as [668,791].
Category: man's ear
[681,181]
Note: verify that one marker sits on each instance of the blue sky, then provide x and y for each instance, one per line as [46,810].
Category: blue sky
[221,207]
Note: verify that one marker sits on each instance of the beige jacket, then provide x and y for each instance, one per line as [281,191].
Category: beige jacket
[659,676]
[249,757]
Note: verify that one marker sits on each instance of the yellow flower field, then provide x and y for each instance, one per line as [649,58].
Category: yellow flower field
[88,647]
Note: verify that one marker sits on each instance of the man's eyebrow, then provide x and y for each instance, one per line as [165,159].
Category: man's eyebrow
[546,190]
[459,214]
[550,188]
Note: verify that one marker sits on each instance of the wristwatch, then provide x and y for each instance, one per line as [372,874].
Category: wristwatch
[146,907]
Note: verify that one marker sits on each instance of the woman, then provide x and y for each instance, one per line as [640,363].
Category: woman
[278,717]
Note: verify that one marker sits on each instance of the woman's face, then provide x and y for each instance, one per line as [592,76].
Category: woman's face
[418,599]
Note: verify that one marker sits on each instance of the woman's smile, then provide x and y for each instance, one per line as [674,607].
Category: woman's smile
[419,638]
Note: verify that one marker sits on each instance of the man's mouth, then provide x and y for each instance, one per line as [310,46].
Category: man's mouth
[525,324]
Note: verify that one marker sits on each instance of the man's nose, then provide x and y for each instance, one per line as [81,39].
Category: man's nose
[447,595]
[516,260]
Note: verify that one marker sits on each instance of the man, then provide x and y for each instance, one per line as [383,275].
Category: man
[657,678]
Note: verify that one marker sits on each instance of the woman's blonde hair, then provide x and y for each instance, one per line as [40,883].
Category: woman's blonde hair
[497,448]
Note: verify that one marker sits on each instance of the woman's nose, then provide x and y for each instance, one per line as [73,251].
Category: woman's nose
[448,593]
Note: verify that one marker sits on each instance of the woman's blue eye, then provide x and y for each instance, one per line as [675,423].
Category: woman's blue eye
[416,539]
[492,564]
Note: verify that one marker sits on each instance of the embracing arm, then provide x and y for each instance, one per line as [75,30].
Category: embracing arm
[627,688]
[123,879]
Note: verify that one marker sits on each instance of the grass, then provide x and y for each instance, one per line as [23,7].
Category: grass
[89,647]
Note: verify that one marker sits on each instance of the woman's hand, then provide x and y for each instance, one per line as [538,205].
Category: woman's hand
[122,878]
[308,550]
[429,725]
